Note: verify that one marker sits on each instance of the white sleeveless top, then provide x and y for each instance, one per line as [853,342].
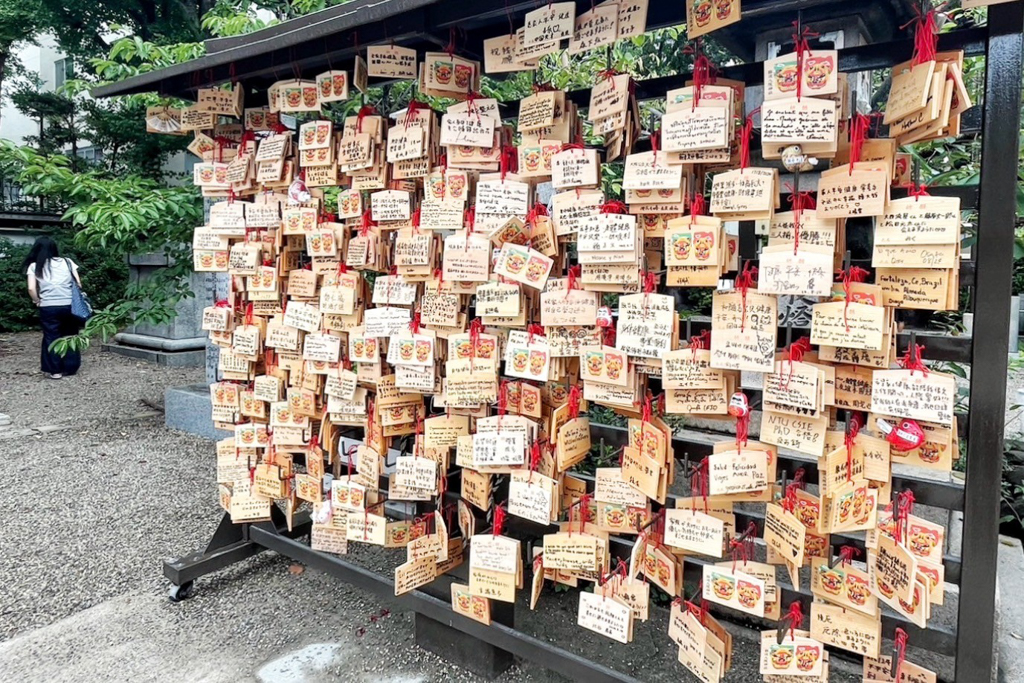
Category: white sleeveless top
[54,286]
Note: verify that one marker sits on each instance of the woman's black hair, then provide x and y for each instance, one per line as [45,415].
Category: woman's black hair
[42,251]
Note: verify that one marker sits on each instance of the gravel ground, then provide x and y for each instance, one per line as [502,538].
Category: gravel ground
[97,501]
[100,493]
[108,390]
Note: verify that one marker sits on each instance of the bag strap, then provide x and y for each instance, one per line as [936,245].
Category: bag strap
[72,271]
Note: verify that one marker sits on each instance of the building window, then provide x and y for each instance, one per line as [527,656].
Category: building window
[92,154]
[63,70]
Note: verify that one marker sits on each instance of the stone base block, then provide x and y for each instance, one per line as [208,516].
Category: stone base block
[172,359]
[188,409]
[475,656]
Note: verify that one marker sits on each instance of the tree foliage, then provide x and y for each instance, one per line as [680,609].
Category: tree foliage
[118,216]
[19,24]
[122,203]
[227,19]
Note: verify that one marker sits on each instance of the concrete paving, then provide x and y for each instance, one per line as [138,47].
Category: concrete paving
[93,508]
[1011,611]
[140,636]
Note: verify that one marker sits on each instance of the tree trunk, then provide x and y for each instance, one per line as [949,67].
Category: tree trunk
[75,161]
[4,55]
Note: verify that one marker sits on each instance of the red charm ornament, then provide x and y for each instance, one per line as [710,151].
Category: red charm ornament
[297,192]
[738,405]
[905,436]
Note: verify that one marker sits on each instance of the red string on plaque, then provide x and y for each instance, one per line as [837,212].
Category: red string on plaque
[849,276]
[744,281]
[796,353]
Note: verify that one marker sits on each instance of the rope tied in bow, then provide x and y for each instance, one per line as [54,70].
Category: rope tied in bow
[849,276]
[533,330]
[508,161]
[796,354]
[745,134]
[614,206]
[926,36]
[912,361]
[917,191]
[744,281]
[502,400]
[859,126]
[703,71]
[698,207]
[535,456]
[902,507]
[789,500]
[222,142]
[698,610]
[536,211]
[803,46]
[847,553]
[583,507]
[608,336]
[742,546]
[574,280]
[650,281]
[853,424]
[576,144]
[794,617]
[367,223]
[414,107]
[799,201]
[575,396]
[475,329]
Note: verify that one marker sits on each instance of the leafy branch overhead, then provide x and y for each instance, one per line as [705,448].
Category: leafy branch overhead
[123,216]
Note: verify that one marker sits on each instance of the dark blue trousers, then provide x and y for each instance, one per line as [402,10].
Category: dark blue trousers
[58,322]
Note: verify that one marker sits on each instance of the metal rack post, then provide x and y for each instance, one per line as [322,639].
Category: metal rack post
[993,255]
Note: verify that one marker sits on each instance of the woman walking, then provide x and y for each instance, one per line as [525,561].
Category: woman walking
[49,285]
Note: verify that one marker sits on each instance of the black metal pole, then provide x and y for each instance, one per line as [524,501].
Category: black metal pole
[996,214]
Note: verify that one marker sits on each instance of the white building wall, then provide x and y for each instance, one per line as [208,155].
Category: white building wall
[41,59]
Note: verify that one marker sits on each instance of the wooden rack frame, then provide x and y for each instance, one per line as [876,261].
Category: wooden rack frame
[334,36]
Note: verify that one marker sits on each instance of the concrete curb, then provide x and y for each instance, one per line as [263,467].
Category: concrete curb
[1010,614]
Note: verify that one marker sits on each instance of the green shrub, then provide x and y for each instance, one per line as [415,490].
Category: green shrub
[1011,512]
[16,310]
[104,278]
